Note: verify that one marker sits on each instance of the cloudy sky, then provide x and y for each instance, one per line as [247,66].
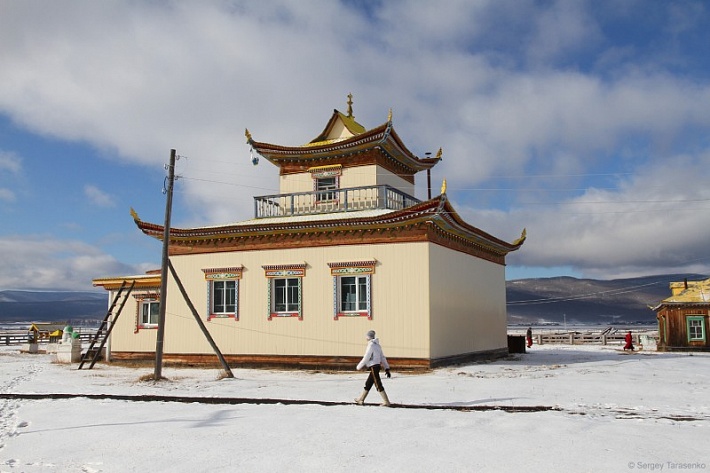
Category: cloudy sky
[586,122]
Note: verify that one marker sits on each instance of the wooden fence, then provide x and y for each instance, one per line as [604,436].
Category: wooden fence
[18,337]
[643,337]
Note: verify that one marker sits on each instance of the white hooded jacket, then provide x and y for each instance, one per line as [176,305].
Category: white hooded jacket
[373,356]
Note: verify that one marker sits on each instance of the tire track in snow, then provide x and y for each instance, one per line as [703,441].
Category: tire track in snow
[617,412]
[242,400]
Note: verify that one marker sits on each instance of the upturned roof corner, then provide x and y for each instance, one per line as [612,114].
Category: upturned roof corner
[135,216]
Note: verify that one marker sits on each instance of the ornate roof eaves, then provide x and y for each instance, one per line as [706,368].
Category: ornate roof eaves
[437,212]
[449,214]
[383,137]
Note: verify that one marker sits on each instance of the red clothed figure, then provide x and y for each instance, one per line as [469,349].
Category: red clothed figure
[528,337]
[629,342]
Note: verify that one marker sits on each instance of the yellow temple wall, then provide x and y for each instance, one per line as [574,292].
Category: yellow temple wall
[123,334]
[359,176]
[468,303]
[400,299]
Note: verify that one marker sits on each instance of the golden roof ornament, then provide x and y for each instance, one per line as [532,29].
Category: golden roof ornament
[134,214]
[522,238]
[247,134]
[389,116]
[443,187]
[350,106]
[438,154]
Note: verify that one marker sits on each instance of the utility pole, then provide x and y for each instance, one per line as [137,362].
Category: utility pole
[158,374]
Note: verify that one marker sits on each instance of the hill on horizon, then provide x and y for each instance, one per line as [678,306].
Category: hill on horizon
[588,301]
[52,306]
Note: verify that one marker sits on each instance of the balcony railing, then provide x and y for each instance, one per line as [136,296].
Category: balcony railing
[329,201]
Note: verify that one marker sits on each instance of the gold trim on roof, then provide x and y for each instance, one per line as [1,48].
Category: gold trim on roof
[329,167]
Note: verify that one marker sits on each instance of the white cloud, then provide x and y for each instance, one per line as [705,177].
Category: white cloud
[7,195]
[499,85]
[651,224]
[98,197]
[10,162]
[564,28]
[37,262]
[10,167]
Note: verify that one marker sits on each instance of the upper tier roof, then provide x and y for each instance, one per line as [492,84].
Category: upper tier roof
[344,141]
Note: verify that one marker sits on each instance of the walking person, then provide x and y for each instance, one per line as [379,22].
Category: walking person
[629,342]
[528,336]
[374,360]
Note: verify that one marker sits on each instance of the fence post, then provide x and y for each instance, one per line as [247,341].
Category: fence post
[571,338]
[603,339]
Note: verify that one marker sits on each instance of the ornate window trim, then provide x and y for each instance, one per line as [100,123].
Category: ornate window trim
[331,170]
[330,195]
[349,269]
[151,295]
[223,274]
[284,271]
[700,324]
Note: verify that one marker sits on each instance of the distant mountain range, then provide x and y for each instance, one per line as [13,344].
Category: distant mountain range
[538,300]
[589,301]
[52,306]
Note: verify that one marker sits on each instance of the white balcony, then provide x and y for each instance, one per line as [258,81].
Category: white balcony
[330,201]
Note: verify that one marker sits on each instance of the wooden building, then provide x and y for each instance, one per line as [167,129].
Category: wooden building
[45,331]
[344,248]
[683,317]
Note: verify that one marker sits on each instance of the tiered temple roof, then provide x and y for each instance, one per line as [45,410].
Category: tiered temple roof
[434,220]
[343,142]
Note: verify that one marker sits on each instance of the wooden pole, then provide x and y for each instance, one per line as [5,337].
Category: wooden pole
[158,373]
[206,332]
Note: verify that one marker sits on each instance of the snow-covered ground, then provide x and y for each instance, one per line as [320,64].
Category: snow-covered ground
[614,412]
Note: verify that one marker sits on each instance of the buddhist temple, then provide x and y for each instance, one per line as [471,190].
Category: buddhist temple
[344,248]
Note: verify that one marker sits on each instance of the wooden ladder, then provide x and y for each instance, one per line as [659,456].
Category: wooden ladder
[102,334]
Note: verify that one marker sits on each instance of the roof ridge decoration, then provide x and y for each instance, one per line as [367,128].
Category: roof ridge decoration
[388,130]
[350,106]
[442,199]
[521,240]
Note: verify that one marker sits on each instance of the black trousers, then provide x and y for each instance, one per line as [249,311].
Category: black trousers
[374,378]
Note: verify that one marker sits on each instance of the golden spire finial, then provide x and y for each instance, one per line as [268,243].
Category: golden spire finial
[389,116]
[438,154]
[247,134]
[443,187]
[350,106]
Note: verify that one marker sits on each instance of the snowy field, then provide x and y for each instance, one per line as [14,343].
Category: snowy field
[600,411]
